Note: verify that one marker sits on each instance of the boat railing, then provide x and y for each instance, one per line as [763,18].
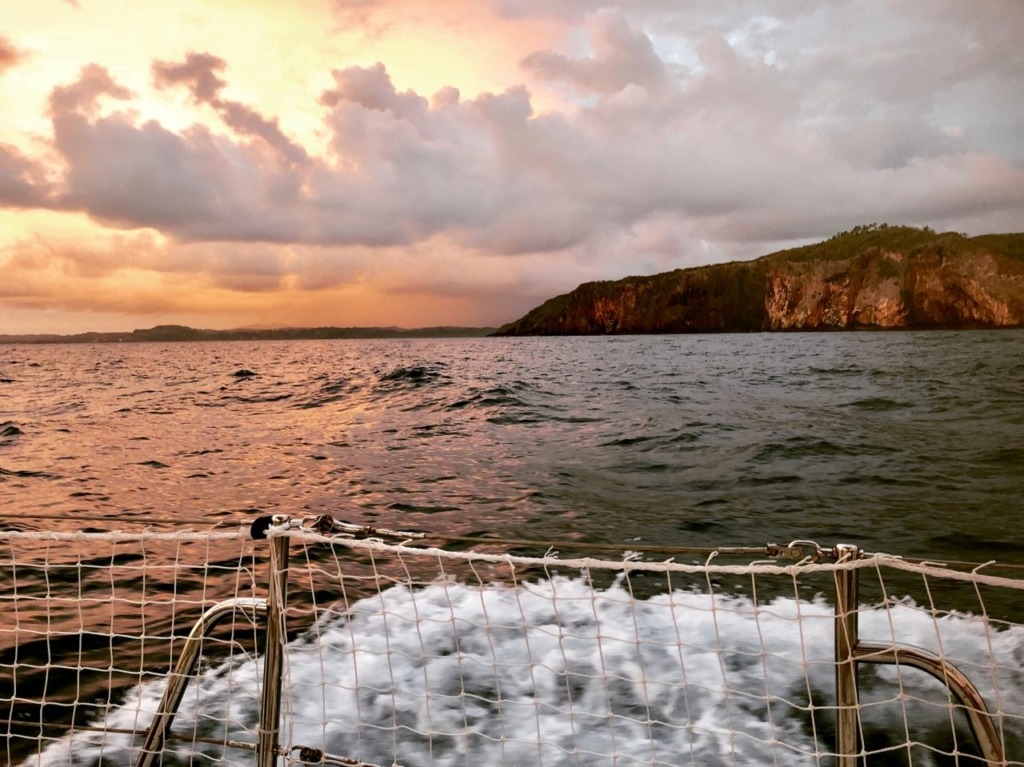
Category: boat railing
[372,560]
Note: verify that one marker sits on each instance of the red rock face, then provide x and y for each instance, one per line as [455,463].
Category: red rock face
[897,291]
[918,280]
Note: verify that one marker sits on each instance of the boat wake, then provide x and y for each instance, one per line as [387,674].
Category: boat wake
[558,672]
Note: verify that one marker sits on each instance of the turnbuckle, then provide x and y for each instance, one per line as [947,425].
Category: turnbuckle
[325,524]
[804,551]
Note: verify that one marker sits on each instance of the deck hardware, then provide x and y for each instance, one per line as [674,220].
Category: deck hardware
[850,652]
[156,735]
[273,661]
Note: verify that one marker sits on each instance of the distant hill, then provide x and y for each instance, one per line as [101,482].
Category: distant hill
[871,277]
[172,333]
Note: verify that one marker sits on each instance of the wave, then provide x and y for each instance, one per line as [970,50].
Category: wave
[333,390]
[558,672]
[878,404]
[415,375]
[838,370]
[25,474]
[506,404]
[496,396]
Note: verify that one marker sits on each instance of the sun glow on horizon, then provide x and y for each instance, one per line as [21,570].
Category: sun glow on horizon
[419,163]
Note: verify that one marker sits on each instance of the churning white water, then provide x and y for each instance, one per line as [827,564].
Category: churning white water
[558,672]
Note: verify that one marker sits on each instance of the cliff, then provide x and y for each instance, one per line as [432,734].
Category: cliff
[870,277]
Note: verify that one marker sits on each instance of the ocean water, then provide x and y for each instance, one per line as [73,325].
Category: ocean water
[908,443]
[911,443]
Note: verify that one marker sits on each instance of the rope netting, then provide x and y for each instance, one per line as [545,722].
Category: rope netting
[411,654]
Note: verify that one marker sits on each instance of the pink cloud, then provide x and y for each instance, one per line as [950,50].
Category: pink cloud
[199,74]
[84,94]
[10,55]
[740,148]
[22,182]
[622,56]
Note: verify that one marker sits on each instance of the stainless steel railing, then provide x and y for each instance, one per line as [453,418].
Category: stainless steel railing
[273,610]
[850,652]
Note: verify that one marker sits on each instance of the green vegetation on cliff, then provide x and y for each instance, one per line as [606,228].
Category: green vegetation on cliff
[875,276]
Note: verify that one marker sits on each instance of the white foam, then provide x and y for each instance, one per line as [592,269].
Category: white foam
[559,673]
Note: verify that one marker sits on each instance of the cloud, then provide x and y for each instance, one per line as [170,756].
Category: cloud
[622,56]
[23,182]
[199,74]
[146,176]
[694,17]
[83,95]
[362,15]
[10,55]
[371,88]
[204,284]
[731,146]
[679,134]
[193,185]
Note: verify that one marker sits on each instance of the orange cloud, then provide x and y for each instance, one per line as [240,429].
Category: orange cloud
[10,55]
[417,162]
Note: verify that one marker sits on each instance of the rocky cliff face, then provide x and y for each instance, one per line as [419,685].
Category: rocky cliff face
[872,277]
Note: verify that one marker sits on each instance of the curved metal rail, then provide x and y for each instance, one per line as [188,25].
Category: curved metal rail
[850,651]
[979,720]
[178,680]
[273,609]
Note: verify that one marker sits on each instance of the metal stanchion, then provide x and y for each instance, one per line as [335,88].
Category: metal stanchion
[847,711]
[268,734]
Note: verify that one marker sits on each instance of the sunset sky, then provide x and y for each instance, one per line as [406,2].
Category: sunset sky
[230,163]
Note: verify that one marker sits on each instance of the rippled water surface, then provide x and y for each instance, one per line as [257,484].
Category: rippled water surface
[911,443]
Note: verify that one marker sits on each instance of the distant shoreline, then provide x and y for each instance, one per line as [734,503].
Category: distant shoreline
[326,334]
[182,333]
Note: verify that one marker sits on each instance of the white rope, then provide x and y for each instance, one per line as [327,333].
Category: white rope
[870,561]
[426,656]
[628,564]
[120,536]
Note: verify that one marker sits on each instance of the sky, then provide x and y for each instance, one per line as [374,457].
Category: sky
[240,163]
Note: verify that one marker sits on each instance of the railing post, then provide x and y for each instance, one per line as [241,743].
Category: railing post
[268,734]
[847,704]
[153,744]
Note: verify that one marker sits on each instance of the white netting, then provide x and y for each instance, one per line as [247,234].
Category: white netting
[90,623]
[402,654]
